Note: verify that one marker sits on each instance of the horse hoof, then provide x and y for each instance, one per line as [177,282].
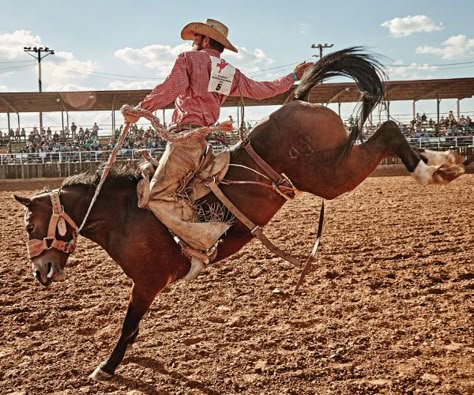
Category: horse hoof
[100,375]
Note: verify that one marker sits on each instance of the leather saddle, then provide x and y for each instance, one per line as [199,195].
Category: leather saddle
[212,167]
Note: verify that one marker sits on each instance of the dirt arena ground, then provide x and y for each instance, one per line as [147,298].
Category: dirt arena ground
[388,308]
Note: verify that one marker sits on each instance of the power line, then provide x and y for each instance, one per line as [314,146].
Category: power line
[16,61]
[17,67]
[431,65]
[92,74]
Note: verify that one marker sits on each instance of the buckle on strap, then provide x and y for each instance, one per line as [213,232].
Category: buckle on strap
[57,217]
[58,220]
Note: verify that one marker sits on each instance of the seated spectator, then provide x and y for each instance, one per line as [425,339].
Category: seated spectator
[469,121]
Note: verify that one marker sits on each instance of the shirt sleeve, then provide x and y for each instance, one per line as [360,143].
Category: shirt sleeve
[260,89]
[166,92]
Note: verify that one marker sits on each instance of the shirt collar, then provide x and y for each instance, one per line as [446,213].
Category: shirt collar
[212,52]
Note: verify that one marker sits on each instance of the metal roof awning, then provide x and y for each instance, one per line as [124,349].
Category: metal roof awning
[22,102]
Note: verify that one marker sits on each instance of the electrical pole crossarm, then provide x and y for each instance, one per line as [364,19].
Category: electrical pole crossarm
[39,53]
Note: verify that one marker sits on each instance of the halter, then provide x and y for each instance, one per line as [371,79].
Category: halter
[57,222]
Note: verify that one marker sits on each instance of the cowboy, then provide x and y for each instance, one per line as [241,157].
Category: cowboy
[198,83]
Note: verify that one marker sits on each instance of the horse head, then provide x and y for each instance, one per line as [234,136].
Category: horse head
[51,235]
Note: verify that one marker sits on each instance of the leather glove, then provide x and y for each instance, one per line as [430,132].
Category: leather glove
[130,118]
[301,68]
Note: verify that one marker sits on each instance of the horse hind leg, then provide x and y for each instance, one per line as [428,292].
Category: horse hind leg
[438,167]
[425,166]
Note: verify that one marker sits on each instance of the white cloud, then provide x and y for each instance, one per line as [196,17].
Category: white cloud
[11,45]
[130,85]
[156,57]
[160,58]
[412,71]
[63,69]
[59,71]
[454,47]
[402,27]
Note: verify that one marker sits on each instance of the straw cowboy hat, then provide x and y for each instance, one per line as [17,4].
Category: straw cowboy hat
[211,28]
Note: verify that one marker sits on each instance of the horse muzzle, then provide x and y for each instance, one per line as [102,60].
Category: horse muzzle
[46,271]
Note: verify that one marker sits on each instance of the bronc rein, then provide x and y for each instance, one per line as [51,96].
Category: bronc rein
[280,183]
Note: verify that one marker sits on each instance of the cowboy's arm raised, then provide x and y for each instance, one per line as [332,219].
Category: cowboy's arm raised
[264,89]
[166,92]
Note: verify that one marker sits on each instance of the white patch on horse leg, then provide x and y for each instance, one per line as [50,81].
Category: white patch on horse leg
[423,173]
[438,157]
[442,167]
[99,375]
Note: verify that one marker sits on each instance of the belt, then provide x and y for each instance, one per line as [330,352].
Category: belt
[183,126]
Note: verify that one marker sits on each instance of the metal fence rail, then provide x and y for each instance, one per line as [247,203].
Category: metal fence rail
[433,143]
[442,143]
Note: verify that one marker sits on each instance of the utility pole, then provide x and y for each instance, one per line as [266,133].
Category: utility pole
[321,46]
[38,51]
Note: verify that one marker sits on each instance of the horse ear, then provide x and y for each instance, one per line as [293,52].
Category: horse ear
[23,200]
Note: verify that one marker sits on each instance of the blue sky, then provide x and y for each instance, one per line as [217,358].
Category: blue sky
[126,44]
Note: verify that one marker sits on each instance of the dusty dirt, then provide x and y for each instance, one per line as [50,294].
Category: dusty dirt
[387,309]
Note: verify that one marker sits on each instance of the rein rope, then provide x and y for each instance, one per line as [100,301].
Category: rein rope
[195,134]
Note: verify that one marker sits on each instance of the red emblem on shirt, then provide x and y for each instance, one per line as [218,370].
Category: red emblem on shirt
[221,65]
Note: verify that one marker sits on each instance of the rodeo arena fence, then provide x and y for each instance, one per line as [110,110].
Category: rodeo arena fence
[64,164]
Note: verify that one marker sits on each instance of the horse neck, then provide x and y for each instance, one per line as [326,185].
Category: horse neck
[104,216]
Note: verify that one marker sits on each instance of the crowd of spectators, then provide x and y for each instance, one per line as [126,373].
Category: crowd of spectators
[76,138]
[448,126]
[421,126]
[45,140]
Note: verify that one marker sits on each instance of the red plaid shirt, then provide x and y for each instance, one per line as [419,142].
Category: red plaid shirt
[187,85]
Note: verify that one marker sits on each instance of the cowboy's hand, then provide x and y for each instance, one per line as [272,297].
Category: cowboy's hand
[301,68]
[131,118]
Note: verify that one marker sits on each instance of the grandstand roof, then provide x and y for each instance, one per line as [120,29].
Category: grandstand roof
[19,102]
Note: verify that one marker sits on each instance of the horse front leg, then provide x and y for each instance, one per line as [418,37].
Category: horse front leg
[140,301]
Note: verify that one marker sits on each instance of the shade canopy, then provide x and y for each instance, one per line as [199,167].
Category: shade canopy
[414,90]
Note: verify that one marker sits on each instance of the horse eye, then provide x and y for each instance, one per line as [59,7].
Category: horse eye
[29,228]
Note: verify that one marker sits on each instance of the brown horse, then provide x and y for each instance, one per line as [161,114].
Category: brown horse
[306,142]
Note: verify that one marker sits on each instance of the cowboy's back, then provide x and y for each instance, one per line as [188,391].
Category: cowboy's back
[188,83]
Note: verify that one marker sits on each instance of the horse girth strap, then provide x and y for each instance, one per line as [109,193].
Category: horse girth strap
[254,229]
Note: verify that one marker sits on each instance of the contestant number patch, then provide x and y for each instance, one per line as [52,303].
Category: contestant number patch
[222,76]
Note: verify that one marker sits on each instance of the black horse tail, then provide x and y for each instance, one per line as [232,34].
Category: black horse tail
[363,67]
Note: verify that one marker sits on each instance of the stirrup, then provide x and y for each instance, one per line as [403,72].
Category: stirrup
[192,253]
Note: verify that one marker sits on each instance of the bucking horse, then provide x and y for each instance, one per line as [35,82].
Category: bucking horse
[305,144]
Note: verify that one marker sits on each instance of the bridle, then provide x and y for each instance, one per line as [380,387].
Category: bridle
[57,222]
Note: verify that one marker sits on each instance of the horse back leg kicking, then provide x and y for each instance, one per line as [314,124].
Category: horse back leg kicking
[427,167]
[350,167]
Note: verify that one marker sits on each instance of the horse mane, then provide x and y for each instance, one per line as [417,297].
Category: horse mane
[118,176]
